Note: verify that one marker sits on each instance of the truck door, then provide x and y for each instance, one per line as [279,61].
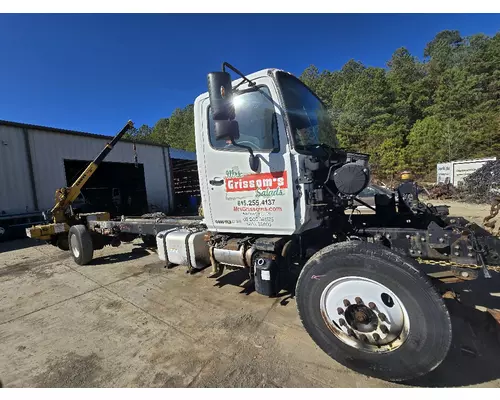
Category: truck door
[237,199]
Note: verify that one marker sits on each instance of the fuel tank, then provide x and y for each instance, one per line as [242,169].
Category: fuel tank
[183,247]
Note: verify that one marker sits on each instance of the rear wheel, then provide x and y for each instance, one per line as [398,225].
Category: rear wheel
[80,244]
[62,242]
[373,311]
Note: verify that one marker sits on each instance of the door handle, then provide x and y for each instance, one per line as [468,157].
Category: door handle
[216,181]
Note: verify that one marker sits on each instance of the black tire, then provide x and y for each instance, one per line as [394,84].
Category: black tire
[80,244]
[429,333]
[4,233]
[63,242]
[149,241]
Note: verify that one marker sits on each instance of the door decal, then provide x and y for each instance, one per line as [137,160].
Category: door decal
[256,182]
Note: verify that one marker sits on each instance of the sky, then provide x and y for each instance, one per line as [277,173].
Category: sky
[93,72]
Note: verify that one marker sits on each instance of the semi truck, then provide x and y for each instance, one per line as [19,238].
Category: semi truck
[280,202]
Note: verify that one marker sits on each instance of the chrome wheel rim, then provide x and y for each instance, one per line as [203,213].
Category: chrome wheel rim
[74,246]
[364,314]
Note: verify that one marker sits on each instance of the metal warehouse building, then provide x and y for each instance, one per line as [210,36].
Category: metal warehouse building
[37,160]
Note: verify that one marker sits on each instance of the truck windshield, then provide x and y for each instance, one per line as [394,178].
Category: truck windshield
[309,119]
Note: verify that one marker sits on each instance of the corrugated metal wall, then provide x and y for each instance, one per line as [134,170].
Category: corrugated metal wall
[15,188]
[48,152]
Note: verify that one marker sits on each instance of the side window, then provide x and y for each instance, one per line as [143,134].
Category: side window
[256,119]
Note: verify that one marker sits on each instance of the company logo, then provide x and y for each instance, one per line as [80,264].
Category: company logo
[253,182]
[222,91]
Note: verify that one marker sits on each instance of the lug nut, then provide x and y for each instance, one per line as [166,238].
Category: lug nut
[358,300]
[372,305]
[457,247]
[341,321]
[384,329]
[347,303]
[456,253]
[465,274]
[382,317]
[441,240]
[376,337]
[340,310]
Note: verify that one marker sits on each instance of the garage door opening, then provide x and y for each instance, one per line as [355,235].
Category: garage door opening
[187,197]
[118,188]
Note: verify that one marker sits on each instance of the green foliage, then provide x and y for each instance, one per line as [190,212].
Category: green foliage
[180,133]
[177,131]
[412,114]
[141,133]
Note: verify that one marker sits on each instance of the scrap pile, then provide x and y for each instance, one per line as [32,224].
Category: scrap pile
[442,191]
[482,186]
[489,221]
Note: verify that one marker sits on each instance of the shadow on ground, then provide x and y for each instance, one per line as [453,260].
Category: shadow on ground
[19,244]
[136,253]
[239,277]
[474,356]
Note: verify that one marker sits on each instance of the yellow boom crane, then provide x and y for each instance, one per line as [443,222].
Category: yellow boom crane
[56,231]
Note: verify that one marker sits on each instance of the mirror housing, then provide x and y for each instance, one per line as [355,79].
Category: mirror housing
[254,162]
[220,92]
[228,130]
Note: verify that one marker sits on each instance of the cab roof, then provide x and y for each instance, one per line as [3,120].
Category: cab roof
[259,74]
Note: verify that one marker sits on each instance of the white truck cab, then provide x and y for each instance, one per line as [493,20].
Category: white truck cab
[270,200]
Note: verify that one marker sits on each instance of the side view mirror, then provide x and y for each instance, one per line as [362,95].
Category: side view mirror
[220,92]
[226,130]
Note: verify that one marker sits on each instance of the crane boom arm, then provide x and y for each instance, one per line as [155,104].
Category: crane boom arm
[66,196]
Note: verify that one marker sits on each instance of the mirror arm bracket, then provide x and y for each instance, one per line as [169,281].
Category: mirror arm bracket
[254,161]
[242,146]
[226,64]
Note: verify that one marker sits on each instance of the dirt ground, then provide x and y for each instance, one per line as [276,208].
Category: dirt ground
[472,212]
[126,321]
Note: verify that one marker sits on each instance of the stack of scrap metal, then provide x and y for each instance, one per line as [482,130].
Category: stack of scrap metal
[482,186]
